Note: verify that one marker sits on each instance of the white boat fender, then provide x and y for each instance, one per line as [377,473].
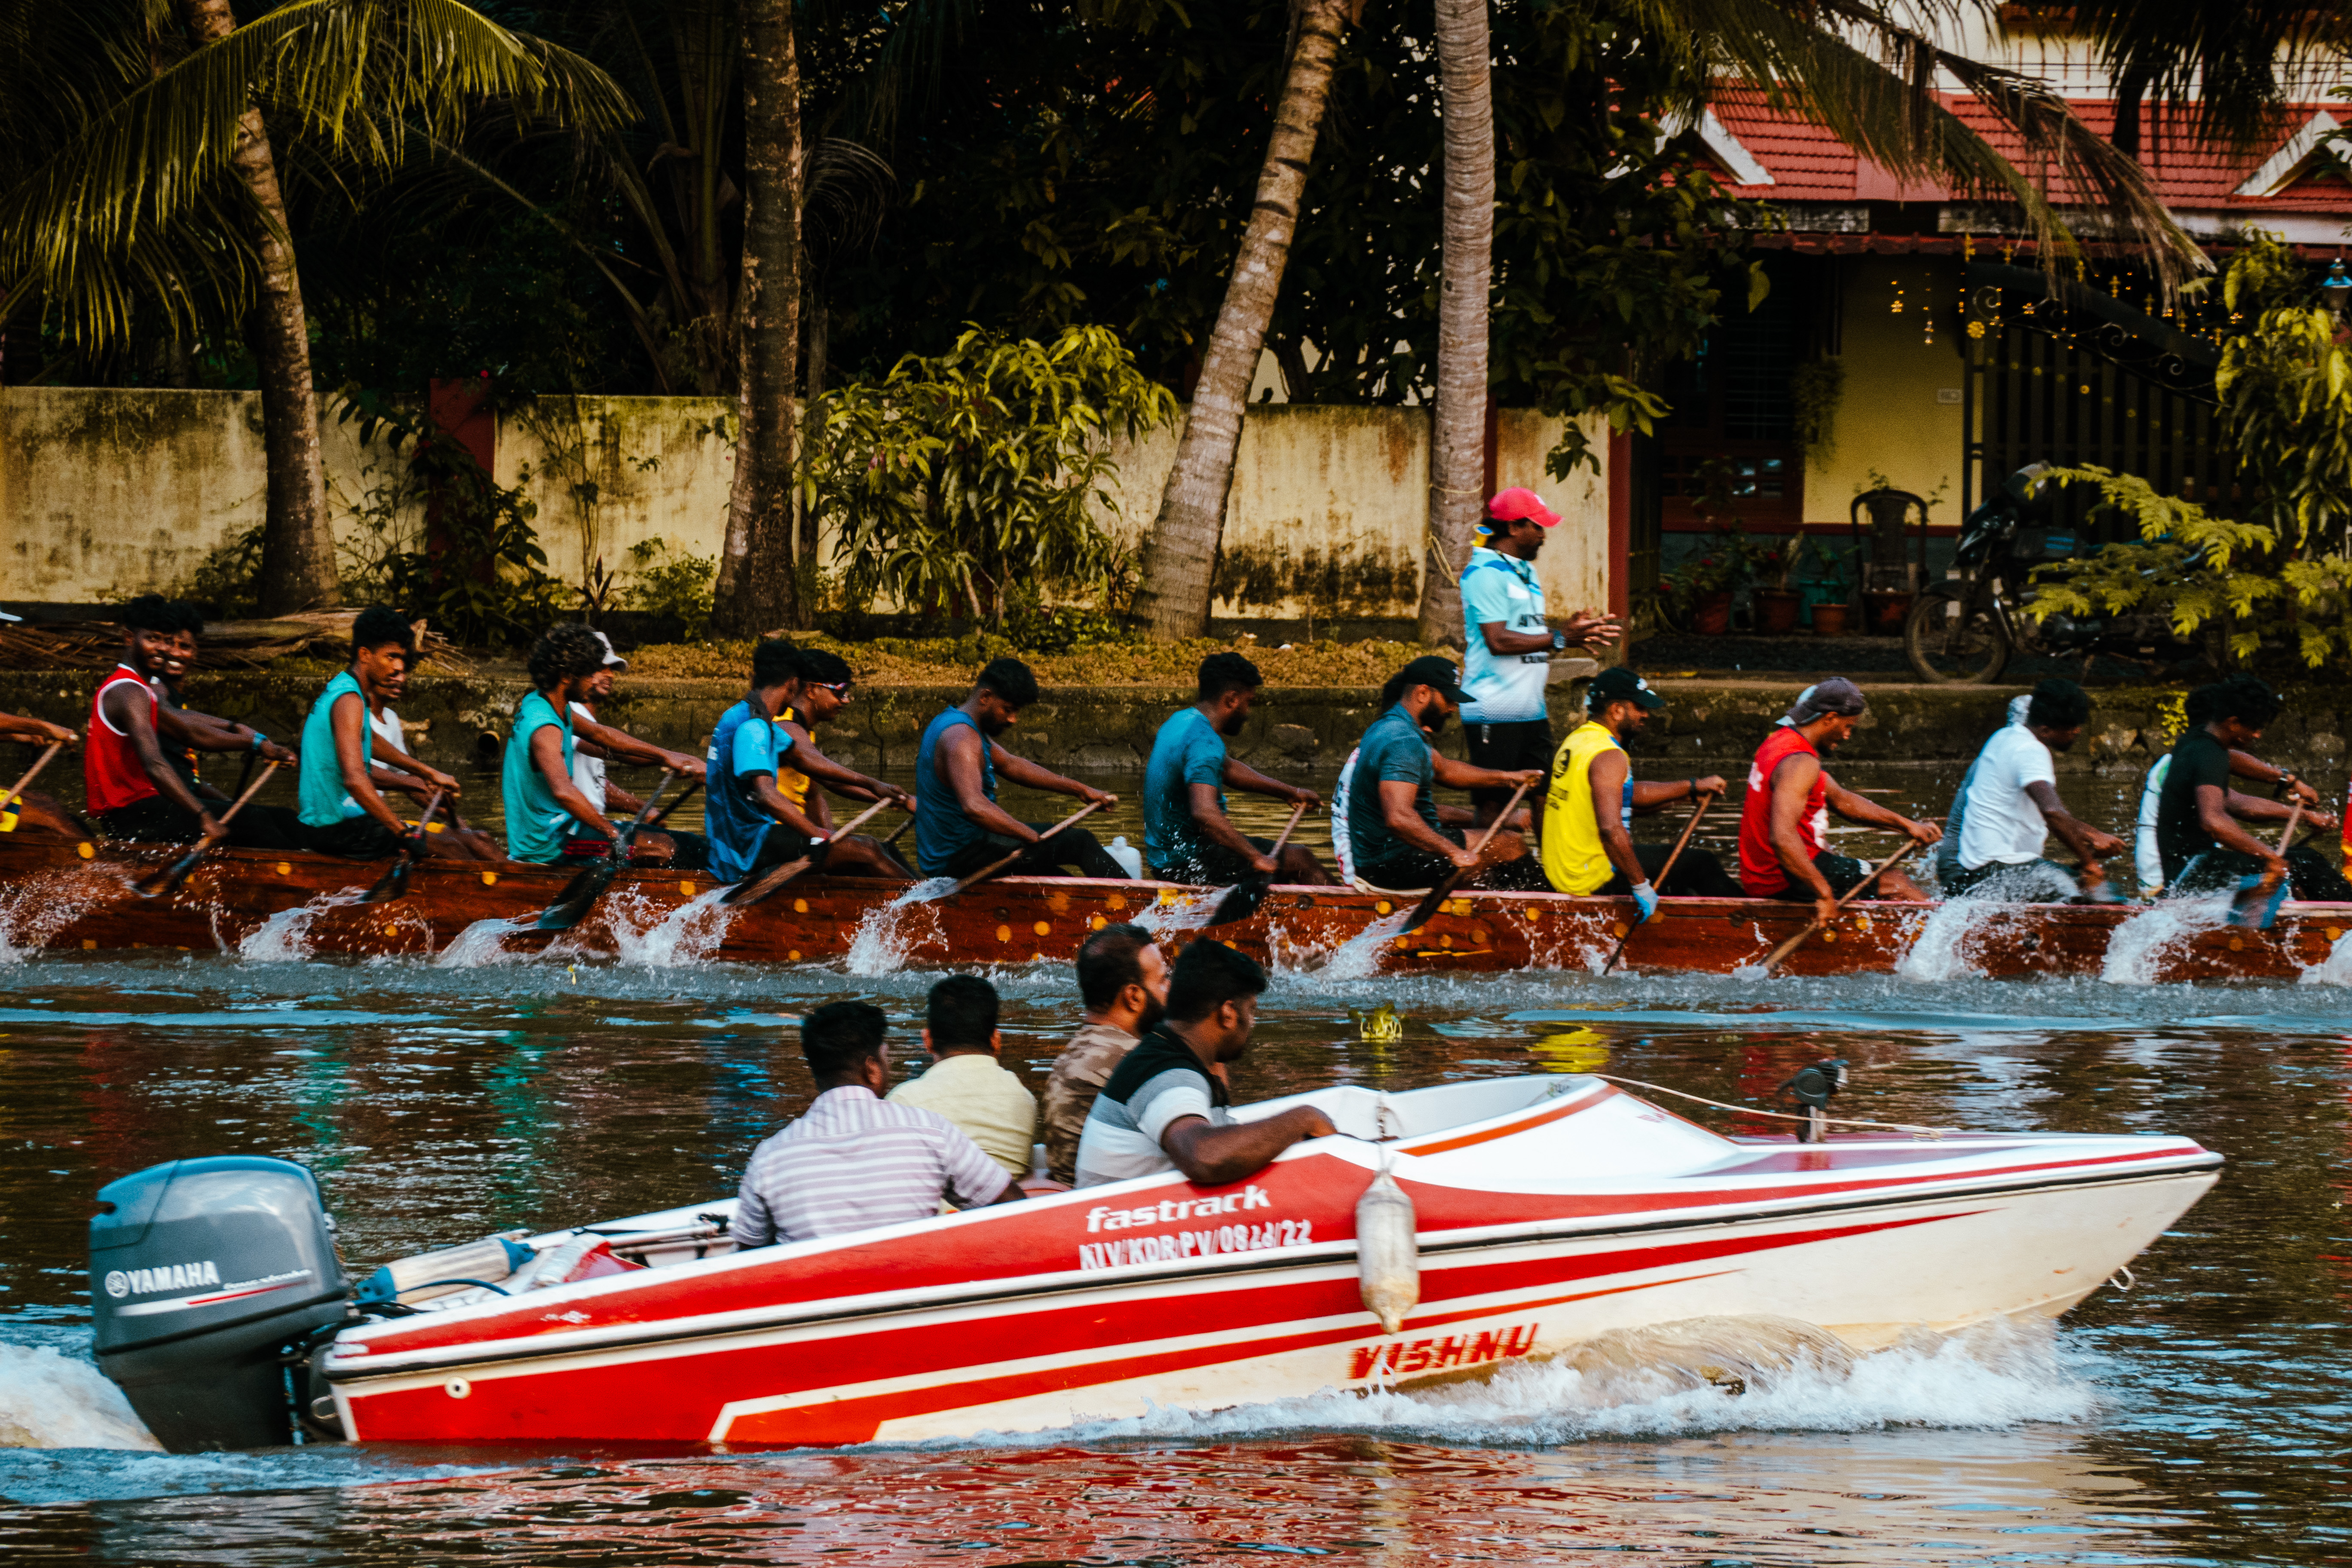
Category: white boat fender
[490,1261]
[1388,1255]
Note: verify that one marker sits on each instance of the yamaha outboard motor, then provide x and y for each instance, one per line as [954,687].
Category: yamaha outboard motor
[201,1272]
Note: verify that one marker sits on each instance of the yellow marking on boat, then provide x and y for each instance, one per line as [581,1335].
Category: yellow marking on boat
[1169,896]
[1043,928]
[86,849]
[1004,933]
[90,944]
[285,868]
[1098,923]
[1383,907]
[800,906]
[1533,913]
[490,878]
[1116,900]
[686,890]
[793,955]
[1618,929]
[1461,906]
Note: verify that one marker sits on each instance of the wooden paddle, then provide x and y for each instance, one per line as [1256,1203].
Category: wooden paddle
[155,887]
[653,818]
[9,800]
[1243,898]
[1798,941]
[993,866]
[394,882]
[2258,898]
[580,895]
[752,892]
[1688,829]
[1424,911]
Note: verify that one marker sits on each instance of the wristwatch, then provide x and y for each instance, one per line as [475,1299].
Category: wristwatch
[1558,641]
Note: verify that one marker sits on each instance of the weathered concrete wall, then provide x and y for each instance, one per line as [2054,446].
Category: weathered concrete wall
[107,492]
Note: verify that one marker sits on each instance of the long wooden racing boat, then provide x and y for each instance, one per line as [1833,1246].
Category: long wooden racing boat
[56,894]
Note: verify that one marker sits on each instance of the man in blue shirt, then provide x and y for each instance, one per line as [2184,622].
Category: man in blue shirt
[1508,645]
[959,826]
[752,825]
[341,812]
[1399,837]
[1187,836]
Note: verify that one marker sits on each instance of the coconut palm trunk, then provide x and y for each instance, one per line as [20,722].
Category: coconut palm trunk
[1457,453]
[1173,601]
[757,585]
[298,548]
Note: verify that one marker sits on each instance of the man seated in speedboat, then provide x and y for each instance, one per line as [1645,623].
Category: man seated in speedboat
[1589,806]
[1786,812]
[754,824]
[1187,838]
[1123,992]
[1166,1107]
[2197,707]
[595,743]
[853,1160]
[967,1082]
[128,779]
[2007,805]
[2203,849]
[1398,834]
[820,690]
[959,826]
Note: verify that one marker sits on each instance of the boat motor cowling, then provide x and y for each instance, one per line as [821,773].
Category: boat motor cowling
[201,1272]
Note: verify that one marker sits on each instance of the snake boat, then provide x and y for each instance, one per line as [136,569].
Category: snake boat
[58,895]
[1545,1211]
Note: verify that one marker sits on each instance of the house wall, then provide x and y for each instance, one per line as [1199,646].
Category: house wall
[104,493]
[1894,418]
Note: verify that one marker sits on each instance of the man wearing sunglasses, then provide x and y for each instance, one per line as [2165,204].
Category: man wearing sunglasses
[820,690]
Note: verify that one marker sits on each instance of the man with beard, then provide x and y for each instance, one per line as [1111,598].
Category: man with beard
[1187,836]
[959,826]
[1399,837]
[2007,806]
[2204,850]
[1589,806]
[1790,797]
[1123,989]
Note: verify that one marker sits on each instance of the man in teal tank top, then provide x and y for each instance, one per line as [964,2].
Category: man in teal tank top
[545,807]
[342,809]
[959,826]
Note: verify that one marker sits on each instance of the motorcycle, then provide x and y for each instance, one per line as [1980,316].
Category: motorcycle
[1966,630]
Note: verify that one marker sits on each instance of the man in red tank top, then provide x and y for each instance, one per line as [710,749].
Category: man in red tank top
[1785,814]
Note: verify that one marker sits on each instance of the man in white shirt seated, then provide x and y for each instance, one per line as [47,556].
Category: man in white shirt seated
[854,1161]
[1165,1107]
[2009,806]
[965,1082]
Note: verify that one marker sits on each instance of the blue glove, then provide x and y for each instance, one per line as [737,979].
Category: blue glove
[1648,898]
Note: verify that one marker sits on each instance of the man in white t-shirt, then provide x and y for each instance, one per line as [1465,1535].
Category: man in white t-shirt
[599,742]
[2011,807]
[1508,644]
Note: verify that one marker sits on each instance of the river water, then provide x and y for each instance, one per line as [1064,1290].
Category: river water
[2198,1417]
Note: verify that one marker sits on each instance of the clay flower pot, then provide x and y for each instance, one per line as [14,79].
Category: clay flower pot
[1889,608]
[1776,611]
[1711,615]
[1829,620]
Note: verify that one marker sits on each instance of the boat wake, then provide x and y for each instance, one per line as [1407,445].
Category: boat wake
[1359,957]
[484,943]
[1187,911]
[52,1401]
[2138,951]
[37,909]
[1941,949]
[689,934]
[285,937]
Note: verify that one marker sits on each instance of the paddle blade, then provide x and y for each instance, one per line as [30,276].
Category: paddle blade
[1431,902]
[155,887]
[573,903]
[752,892]
[1242,901]
[2256,905]
[389,886]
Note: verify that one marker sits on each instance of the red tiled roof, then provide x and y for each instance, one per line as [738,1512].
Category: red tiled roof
[1809,164]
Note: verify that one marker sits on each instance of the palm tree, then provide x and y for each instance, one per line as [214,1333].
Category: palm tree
[140,166]
[1457,436]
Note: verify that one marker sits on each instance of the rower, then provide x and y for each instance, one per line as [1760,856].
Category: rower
[2007,805]
[959,826]
[1790,797]
[966,1082]
[129,781]
[1397,835]
[1589,805]
[2203,850]
[819,691]
[1187,838]
[394,767]
[343,812]
[1508,645]
[594,744]
[2145,859]
[747,806]
[853,1160]
[34,811]
[1165,1107]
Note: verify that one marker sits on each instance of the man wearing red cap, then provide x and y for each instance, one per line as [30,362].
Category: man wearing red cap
[1508,645]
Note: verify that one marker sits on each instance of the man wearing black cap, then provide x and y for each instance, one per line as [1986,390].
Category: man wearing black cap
[1398,836]
[1589,806]
[1785,814]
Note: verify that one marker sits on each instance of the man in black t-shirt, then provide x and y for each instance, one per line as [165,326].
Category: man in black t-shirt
[2204,851]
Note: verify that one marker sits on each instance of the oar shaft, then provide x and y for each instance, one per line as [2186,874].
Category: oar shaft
[43,761]
[1435,898]
[752,892]
[1666,870]
[1288,827]
[1794,942]
[991,869]
[250,791]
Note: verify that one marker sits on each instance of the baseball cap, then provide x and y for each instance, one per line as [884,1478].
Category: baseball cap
[1618,684]
[1516,503]
[1429,669]
[1836,694]
[612,661]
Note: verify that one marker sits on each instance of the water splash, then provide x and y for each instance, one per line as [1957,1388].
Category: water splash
[689,934]
[2140,947]
[2336,969]
[1941,949]
[285,937]
[924,891]
[484,943]
[1189,911]
[51,1401]
[37,909]
[883,939]
[1359,957]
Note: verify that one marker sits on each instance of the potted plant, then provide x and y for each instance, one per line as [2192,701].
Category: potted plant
[1833,586]
[1705,585]
[1774,564]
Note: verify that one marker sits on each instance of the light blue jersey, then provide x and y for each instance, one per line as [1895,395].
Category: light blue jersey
[1504,688]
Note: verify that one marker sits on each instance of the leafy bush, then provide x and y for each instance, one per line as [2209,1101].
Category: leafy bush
[228,580]
[662,582]
[2186,566]
[474,569]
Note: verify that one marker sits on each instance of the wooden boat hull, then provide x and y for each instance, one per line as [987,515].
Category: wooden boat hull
[58,895]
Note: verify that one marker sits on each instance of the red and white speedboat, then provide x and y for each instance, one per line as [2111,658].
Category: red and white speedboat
[1548,1209]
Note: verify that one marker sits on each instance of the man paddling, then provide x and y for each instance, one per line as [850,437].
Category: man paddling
[2147,860]
[1187,836]
[2007,805]
[1508,644]
[819,691]
[2203,849]
[343,812]
[1785,814]
[959,826]
[1398,836]
[128,778]
[752,825]
[1589,805]
[594,743]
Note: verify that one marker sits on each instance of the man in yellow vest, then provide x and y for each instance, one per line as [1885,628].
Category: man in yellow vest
[1590,799]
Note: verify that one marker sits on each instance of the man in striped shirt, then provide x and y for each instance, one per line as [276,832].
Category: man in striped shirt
[853,1160]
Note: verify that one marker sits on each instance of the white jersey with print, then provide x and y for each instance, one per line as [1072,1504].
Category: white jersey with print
[587,771]
[2146,860]
[1504,688]
[1341,849]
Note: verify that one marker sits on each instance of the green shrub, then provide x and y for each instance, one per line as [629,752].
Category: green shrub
[662,582]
